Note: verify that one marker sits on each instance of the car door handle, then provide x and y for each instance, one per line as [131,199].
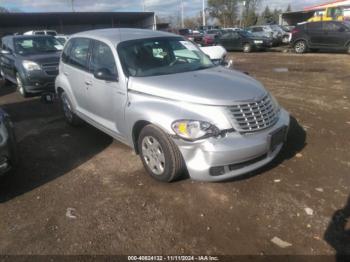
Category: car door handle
[66,73]
[88,83]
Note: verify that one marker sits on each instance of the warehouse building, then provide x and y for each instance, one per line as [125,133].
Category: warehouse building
[69,22]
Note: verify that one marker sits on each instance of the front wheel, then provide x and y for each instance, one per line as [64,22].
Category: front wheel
[160,155]
[247,48]
[300,47]
[20,86]
[69,114]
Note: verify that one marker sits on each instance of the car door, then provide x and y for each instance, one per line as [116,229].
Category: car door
[334,35]
[226,41]
[106,99]
[76,69]
[316,34]
[8,60]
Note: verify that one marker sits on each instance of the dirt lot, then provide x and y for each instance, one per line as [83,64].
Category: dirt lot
[79,192]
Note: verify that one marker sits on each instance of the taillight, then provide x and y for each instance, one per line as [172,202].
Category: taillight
[295,31]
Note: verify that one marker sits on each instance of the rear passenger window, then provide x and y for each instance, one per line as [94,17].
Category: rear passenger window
[79,53]
[103,58]
[314,26]
[330,26]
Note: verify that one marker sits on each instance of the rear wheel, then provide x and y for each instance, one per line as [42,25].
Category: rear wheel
[20,86]
[348,50]
[160,155]
[2,76]
[247,48]
[69,114]
[300,47]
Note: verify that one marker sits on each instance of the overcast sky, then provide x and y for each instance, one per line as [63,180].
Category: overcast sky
[161,7]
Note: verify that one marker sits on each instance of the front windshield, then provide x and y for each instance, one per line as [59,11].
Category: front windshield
[161,56]
[245,33]
[36,45]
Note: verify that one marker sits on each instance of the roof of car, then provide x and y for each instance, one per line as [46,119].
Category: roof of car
[26,36]
[117,35]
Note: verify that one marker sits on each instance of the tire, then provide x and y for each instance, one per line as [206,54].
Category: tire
[20,87]
[247,48]
[71,118]
[6,81]
[300,47]
[348,50]
[160,155]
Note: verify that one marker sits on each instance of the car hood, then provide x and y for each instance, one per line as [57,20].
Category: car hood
[43,58]
[214,86]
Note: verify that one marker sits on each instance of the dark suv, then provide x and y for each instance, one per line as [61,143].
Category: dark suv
[31,62]
[329,35]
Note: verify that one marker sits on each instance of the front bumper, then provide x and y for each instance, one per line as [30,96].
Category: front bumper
[38,82]
[236,153]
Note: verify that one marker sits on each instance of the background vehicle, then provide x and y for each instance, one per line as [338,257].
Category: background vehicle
[41,32]
[330,35]
[267,31]
[159,94]
[329,14]
[31,62]
[62,38]
[217,55]
[8,146]
[244,41]
[191,36]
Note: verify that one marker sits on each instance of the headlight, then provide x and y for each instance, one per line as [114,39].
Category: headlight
[30,66]
[258,42]
[194,130]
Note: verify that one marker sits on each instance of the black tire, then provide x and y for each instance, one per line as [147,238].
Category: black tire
[6,82]
[247,48]
[173,166]
[20,87]
[71,118]
[300,47]
[348,49]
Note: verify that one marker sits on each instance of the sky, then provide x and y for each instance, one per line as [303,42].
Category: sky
[161,7]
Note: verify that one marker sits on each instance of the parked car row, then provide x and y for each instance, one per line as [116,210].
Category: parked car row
[159,94]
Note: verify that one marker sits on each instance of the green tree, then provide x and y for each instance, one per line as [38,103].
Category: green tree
[250,16]
[224,10]
[289,8]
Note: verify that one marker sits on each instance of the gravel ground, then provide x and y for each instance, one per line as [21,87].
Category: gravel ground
[77,191]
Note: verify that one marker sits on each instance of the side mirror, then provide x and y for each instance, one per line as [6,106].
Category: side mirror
[105,74]
[5,52]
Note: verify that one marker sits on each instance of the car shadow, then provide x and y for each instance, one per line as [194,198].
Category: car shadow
[337,234]
[49,150]
[296,142]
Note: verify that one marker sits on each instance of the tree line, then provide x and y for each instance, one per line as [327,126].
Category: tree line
[234,13]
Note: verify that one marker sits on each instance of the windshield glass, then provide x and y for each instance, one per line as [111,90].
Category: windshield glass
[161,56]
[36,45]
[245,33]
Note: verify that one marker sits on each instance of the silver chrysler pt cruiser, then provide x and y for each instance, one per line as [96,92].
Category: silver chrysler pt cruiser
[159,94]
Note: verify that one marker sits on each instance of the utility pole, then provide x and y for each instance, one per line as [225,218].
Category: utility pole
[203,12]
[182,14]
[72,2]
[144,5]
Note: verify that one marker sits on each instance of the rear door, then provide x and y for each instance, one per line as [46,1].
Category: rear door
[106,99]
[334,35]
[316,34]
[76,69]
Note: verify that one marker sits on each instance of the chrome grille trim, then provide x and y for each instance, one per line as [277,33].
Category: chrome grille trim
[254,116]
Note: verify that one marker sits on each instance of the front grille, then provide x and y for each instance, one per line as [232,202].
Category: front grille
[51,68]
[254,116]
